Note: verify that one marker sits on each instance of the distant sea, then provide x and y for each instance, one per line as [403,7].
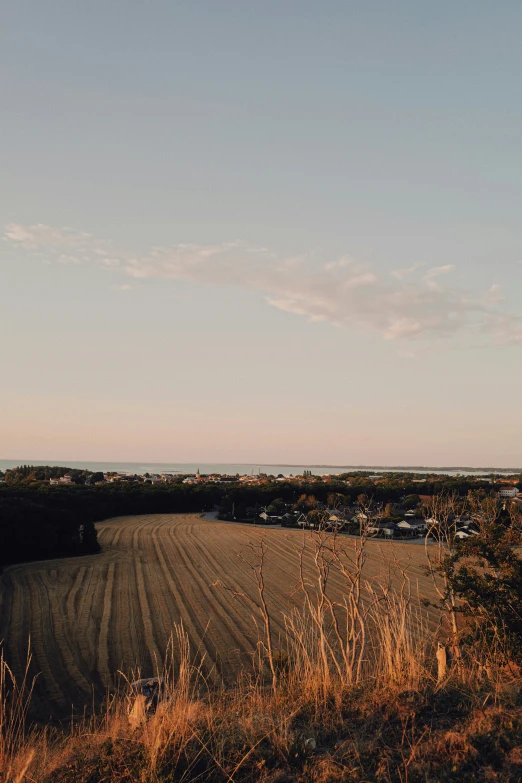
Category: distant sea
[285,470]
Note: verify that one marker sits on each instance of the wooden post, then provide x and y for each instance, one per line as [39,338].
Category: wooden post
[442,663]
[137,714]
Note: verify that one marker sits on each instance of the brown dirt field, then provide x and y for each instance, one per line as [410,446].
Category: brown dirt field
[89,617]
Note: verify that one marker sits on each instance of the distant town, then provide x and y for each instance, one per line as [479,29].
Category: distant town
[389,505]
[57,476]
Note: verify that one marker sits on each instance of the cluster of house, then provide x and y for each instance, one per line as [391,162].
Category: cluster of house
[198,478]
[67,479]
[213,478]
[255,478]
[411,525]
[168,478]
[505,490]
[345,517]
[194,478]
[154,478]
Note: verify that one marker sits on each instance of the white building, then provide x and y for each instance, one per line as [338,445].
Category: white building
[414,525]
[508,492]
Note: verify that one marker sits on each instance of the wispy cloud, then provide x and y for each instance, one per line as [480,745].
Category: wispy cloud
[64,245]
[437,271]
[432,276]
[40,236]
[400,274]
[341,292]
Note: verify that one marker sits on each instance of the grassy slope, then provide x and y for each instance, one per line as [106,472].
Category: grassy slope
[316,724]
[90,617]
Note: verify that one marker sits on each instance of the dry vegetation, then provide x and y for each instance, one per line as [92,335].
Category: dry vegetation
[326,653]
[89,618]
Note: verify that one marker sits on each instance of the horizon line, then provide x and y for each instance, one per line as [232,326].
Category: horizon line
[468,468]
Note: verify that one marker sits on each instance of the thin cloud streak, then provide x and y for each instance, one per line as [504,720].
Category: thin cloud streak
[343,293]
[400,274]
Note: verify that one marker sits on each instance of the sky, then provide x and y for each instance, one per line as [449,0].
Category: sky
[276,232]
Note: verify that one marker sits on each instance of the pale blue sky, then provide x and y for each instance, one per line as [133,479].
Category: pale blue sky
[333,190]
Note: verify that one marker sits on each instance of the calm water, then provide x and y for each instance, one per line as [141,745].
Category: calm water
[286,470]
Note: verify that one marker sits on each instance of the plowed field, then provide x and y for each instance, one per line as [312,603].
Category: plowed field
[89,617]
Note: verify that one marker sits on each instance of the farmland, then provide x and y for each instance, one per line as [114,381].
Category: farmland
[90,617]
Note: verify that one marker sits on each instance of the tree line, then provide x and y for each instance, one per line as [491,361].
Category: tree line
[39,521]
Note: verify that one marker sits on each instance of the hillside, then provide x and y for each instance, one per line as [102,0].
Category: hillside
[90,617]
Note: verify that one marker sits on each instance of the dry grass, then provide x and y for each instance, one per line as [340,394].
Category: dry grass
[273,714]
[335,679]
[385,728]
[91,617]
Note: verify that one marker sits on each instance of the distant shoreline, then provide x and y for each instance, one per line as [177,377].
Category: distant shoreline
[412,468]
[235,467]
